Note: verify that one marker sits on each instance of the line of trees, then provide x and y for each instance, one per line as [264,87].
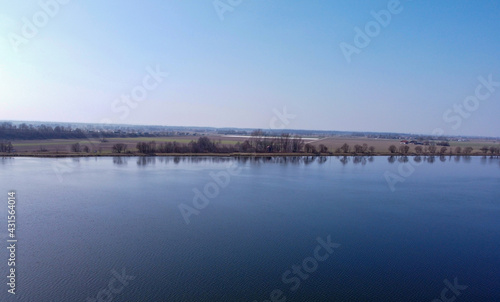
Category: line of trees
[430,149]
[433,149]
[493,150]
[258,143]
[24,131]
[203,145]
[10,131]
[357,149]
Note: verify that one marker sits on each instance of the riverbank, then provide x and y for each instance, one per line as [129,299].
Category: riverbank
[76,155]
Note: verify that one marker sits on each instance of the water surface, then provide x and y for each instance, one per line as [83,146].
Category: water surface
[79,219]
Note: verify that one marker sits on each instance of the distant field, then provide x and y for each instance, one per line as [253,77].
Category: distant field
[64,145]
[333,143]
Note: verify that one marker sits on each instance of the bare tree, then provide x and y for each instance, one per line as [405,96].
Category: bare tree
[458,150]
[358,148]
[418,149]
[371,149]
[468,150]
[297,144]
[246,146]
[149,148]
[257,139]
[493,150]
[86,149]
[403,149]
[432,149]
[284,143]
[443,150]
[119,148]
[392,149]
[6,147]
[76,147]
[345,148]
[323,148]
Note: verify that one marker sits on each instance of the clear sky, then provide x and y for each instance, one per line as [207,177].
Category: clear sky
[237,66]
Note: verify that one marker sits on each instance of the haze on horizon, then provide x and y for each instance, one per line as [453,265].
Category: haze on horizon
[416,66]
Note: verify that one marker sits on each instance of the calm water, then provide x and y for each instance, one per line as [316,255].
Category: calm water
[79,219]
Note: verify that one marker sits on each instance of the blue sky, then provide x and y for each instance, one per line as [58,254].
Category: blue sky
[263,56]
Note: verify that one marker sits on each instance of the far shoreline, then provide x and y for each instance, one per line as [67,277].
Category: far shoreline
[230,155]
